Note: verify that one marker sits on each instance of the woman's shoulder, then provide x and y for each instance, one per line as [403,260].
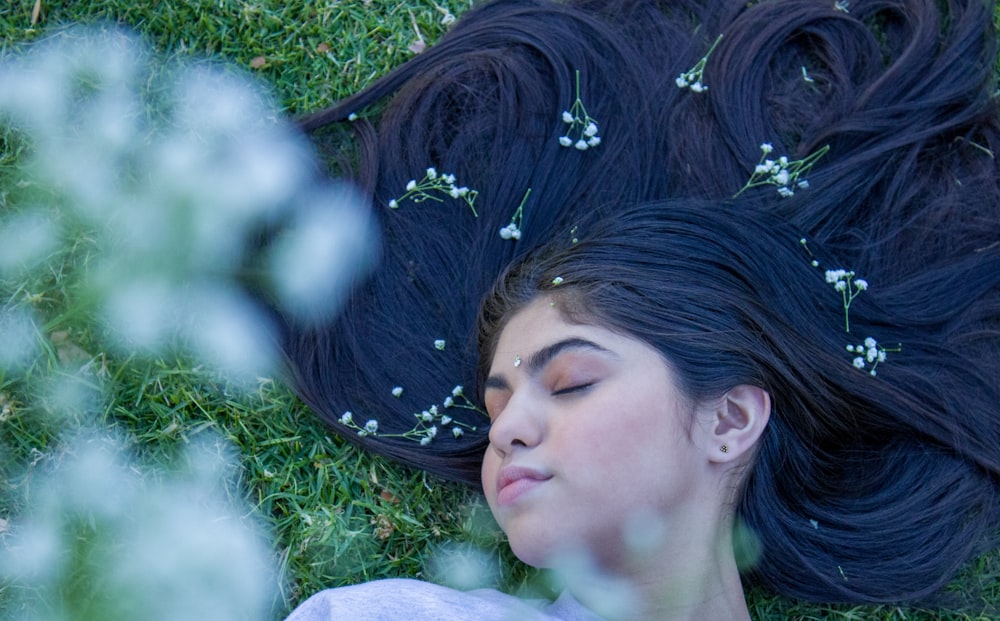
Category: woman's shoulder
[414,600]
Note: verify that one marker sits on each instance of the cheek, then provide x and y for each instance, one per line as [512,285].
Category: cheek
[488,473]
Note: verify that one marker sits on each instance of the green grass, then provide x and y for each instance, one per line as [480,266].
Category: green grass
[333,515]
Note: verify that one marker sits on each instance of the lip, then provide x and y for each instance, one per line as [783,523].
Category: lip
[515,481]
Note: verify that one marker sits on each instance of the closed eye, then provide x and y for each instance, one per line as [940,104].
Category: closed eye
[572,389]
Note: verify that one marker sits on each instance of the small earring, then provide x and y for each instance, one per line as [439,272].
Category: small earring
[517,361]
[724,448]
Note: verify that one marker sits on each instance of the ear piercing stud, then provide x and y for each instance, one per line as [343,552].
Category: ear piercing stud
[517,361]
[724,448]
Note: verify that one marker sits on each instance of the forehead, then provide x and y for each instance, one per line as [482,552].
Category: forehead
[541,323]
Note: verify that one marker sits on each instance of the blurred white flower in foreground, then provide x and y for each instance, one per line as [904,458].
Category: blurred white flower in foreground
[182,183]
[102,540]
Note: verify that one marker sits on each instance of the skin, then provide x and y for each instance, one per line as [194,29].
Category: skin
[594,450]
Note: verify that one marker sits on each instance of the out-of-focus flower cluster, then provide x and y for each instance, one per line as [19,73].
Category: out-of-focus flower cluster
[103,540]
[188,186]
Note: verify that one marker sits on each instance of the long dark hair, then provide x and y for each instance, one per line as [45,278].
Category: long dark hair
[901,91]
[872,487]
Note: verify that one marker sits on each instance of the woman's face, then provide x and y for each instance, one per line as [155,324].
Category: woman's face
[589,434]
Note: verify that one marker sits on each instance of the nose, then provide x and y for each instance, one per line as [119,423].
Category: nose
[521,424]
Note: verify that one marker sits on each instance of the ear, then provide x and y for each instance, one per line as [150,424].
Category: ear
[740,418]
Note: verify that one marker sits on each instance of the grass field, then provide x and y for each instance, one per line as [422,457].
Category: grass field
[313,511]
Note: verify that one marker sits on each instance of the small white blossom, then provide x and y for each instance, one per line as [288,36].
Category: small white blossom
[594,141]
[558,280]
[881,355]
[567,117]
[371,426]
[346,418]
[591,130]
[424,441]
[804,184]
[457,432]
[432,432]
[505,232]
[785,192]
[681,81]
[450,179]
[782,177]
[698,87]
[861,284]
[445,419]
[433,410]
[393,204]
[448,402]
[581,145]
[870,342]
[397,391]
[426,416]
[859,362]
[840,285]
[456,391]
[766,148]
[439,344]
[432,173]
[566,141]
[411,185]
[352,116]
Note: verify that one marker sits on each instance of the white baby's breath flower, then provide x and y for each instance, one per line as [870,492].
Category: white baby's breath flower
[457,391]
[426,416]
[766,148]
[448,402]
[457,432]
[840,285]
[445,419]
[411,185]
[681,81]
[439,344]
[859,362]
[397,391]
[581,145]
[565,141]
[861,284]
[594,141]
[567,117]
[393,204]
[432,173]
[558,280]
[371,426]
[698,87]
[591,130]
[870,342]
[450,179]
[346,418]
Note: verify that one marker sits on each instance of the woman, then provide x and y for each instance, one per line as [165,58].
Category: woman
[883,114]
[682,368]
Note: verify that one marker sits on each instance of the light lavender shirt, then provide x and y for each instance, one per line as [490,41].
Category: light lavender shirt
[413,600]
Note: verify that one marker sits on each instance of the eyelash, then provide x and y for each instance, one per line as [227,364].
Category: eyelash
[572,389]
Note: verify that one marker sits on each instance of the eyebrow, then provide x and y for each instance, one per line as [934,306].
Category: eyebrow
[543,356]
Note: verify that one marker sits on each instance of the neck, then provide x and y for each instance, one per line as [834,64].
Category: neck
[686,575]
